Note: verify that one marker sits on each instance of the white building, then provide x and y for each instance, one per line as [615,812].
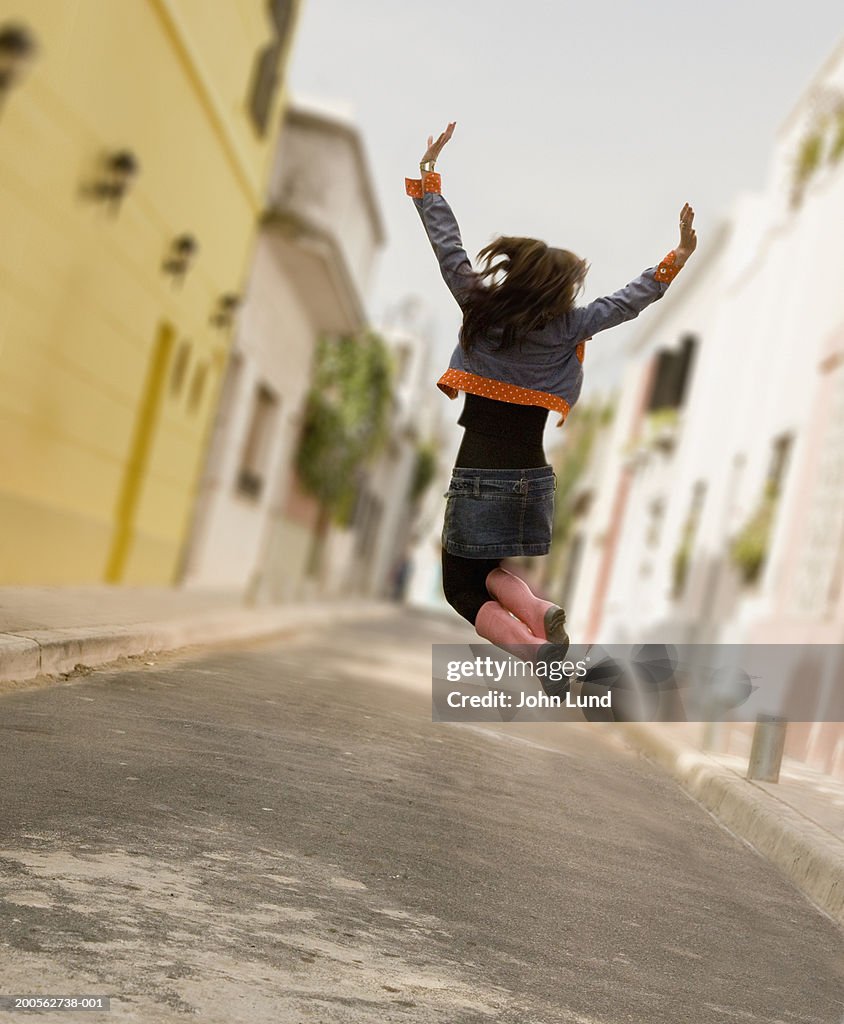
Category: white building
[311,271]
[757,436]
[424,586]
[643,479]
[386,512]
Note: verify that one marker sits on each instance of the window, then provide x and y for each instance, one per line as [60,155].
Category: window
[656,512]
[363,503]
[266,75]
[180,368]
[265,85]
[671,377]
[683,554]
[402,357]
[374,513]
[197,386]
[820,573]
[752,543]
[573,561]
[781,450]
[259,438]
[281,12]
[231,389]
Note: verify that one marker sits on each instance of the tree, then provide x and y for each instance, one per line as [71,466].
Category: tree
[345,425]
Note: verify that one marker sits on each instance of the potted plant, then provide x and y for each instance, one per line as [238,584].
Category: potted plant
[749,548]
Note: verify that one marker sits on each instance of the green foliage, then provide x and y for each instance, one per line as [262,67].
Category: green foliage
[660,427]
[661,419]
[656,425]
[808,159]
[582,429]
[424,471]
[682,557]
[749,548]
[836,150]
[809,155]
[346,418]
[827,126]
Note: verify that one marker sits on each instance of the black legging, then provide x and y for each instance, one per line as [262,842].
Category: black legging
[498,435]
[464,583]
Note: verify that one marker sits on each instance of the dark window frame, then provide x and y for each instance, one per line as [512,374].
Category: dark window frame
[266,75]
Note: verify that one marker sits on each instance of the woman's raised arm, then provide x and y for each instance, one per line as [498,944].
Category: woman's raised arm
[628,302]
[439,221]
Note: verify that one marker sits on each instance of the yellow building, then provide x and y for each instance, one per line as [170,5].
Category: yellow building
[135,140]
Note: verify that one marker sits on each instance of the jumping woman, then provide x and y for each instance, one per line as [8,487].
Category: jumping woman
[520,354]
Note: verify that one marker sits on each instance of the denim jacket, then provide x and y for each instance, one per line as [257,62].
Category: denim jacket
[545,368]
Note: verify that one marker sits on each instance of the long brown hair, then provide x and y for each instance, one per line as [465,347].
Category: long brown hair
[539,284]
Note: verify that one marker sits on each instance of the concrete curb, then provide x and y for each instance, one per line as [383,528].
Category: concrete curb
[33,653]
[811,857]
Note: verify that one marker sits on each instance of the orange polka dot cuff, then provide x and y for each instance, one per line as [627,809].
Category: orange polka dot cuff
[667,270]
[417,187]
[453,381]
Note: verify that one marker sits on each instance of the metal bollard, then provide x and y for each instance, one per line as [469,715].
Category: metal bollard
[767,748]
[712,738]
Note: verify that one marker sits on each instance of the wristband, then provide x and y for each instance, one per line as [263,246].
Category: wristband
[432,182]
[667,270]
[417,187]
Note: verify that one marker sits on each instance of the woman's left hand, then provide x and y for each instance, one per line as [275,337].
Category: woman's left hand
[435,148]
[688,238]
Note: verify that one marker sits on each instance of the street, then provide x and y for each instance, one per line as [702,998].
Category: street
[280,833]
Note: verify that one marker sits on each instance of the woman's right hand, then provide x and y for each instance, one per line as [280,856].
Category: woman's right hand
[435,148]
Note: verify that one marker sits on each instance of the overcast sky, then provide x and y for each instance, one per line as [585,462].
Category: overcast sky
[584,124]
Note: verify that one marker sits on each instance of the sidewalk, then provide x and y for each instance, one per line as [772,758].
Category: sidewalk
[797,823]
[52,630]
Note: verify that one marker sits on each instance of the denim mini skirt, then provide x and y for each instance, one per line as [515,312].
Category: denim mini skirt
[499,513]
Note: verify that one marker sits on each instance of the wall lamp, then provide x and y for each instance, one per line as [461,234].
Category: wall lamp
[119,170]
[17,50]
[227,305]
[182,251]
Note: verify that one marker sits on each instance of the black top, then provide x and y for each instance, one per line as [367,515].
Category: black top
[501,435]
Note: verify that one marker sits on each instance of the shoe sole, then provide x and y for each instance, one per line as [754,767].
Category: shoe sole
[555,626]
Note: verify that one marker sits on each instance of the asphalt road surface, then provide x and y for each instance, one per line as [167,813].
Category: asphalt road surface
[280,833]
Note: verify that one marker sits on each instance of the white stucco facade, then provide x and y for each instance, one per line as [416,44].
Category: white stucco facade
[312,263]
[388,521]
[764,409]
